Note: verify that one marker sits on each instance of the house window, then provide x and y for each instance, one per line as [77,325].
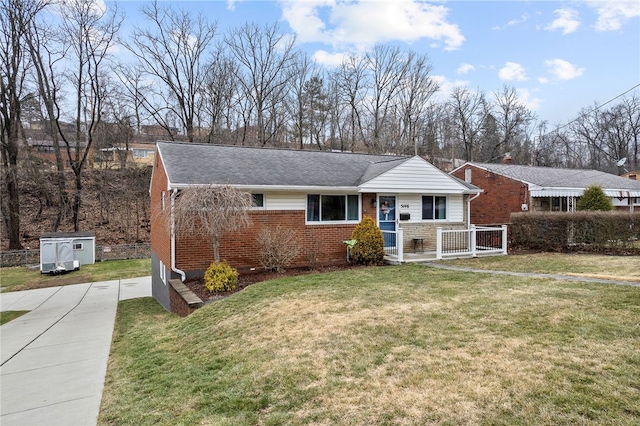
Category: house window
[162,272]
[434,207]
[140,153]
[258,200]
[332,208]
[467,175]
[77,246]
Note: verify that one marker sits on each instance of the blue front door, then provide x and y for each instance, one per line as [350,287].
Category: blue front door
[387,218]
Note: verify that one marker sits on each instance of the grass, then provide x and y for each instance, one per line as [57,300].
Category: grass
[407,345]
[7,316]
[22,278]
[608,267]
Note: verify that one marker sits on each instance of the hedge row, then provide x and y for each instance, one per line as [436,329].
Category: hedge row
[602,232]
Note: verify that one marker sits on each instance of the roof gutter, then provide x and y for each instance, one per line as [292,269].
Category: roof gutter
[183,275]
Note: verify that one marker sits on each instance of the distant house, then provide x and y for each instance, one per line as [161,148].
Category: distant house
[137,153]
[510,188]
[633,175]
[321,195]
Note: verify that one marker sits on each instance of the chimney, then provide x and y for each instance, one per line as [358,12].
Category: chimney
[506,159]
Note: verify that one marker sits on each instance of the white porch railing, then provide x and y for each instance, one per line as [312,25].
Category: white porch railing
[471,242]
[393,245]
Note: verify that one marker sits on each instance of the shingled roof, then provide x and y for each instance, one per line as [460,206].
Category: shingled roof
[548,178]
[200,164]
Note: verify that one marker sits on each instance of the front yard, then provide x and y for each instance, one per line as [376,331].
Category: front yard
[407,345]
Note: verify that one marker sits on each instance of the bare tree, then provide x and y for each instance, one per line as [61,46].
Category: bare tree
[350,87]
[90,31]
[210,211]
[173,52]
[303,69]
[220,97]
[388,66]
[416,90]
[468,109]
[47,51]
[266,57]
[512,120]
[14,65]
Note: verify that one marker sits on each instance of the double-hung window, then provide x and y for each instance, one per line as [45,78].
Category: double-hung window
[434,207]
[332,208]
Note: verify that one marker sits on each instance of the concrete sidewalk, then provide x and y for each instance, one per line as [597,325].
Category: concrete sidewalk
[54,358]
[533,275]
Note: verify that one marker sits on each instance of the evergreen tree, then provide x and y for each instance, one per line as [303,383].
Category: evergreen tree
[594,199]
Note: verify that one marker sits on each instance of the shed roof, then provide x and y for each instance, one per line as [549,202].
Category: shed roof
[86,234]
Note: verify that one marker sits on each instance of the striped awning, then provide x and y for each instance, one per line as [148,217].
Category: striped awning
[577,192]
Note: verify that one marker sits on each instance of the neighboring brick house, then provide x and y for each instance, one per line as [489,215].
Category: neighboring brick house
[321,195]
[510,188]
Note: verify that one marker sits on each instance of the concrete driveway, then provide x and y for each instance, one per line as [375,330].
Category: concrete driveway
[53,360]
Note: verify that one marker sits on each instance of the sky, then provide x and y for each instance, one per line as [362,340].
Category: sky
[561,56]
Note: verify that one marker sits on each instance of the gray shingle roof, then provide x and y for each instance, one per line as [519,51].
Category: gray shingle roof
[548,177]
[193,164]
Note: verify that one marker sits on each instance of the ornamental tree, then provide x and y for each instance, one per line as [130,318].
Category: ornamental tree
[209,211]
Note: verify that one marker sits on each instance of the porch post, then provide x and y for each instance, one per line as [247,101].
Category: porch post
[472,242]
[439,243]
[400,245]
[504,239]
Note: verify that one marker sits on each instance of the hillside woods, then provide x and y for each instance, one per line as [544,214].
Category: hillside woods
[115,205]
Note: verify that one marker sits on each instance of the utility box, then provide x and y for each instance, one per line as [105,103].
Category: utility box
[62,252]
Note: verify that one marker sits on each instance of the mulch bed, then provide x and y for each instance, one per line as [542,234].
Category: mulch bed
[196,285]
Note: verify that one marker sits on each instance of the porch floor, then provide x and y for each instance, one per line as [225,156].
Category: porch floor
[412,257]
[429,256]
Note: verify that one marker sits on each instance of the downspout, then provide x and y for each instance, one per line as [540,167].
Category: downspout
[469,209]
[173,239]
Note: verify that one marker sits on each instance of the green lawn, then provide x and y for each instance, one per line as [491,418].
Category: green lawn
[407,345]
[22,278]
[6,316]
[616,267]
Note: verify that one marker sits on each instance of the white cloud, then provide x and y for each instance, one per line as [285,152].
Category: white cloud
[522,19]
[567,21]
[465,68]
[531,102]
[613,14]
[445,88]
[363,23]
[512,71]
[327,59]
[563,70]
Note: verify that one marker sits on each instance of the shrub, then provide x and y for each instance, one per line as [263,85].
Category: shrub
[220,277]
[278,247]
[594,199]
[591,231]
[369,250]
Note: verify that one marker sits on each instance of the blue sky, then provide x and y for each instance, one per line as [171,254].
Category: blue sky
[561,56]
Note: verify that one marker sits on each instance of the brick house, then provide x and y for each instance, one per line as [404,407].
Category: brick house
[510,188]
[321,195]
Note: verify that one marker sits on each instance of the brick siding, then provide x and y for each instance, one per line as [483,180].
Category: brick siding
[501,197]
[321,245]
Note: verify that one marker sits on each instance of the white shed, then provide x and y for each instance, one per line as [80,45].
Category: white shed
[66,251]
